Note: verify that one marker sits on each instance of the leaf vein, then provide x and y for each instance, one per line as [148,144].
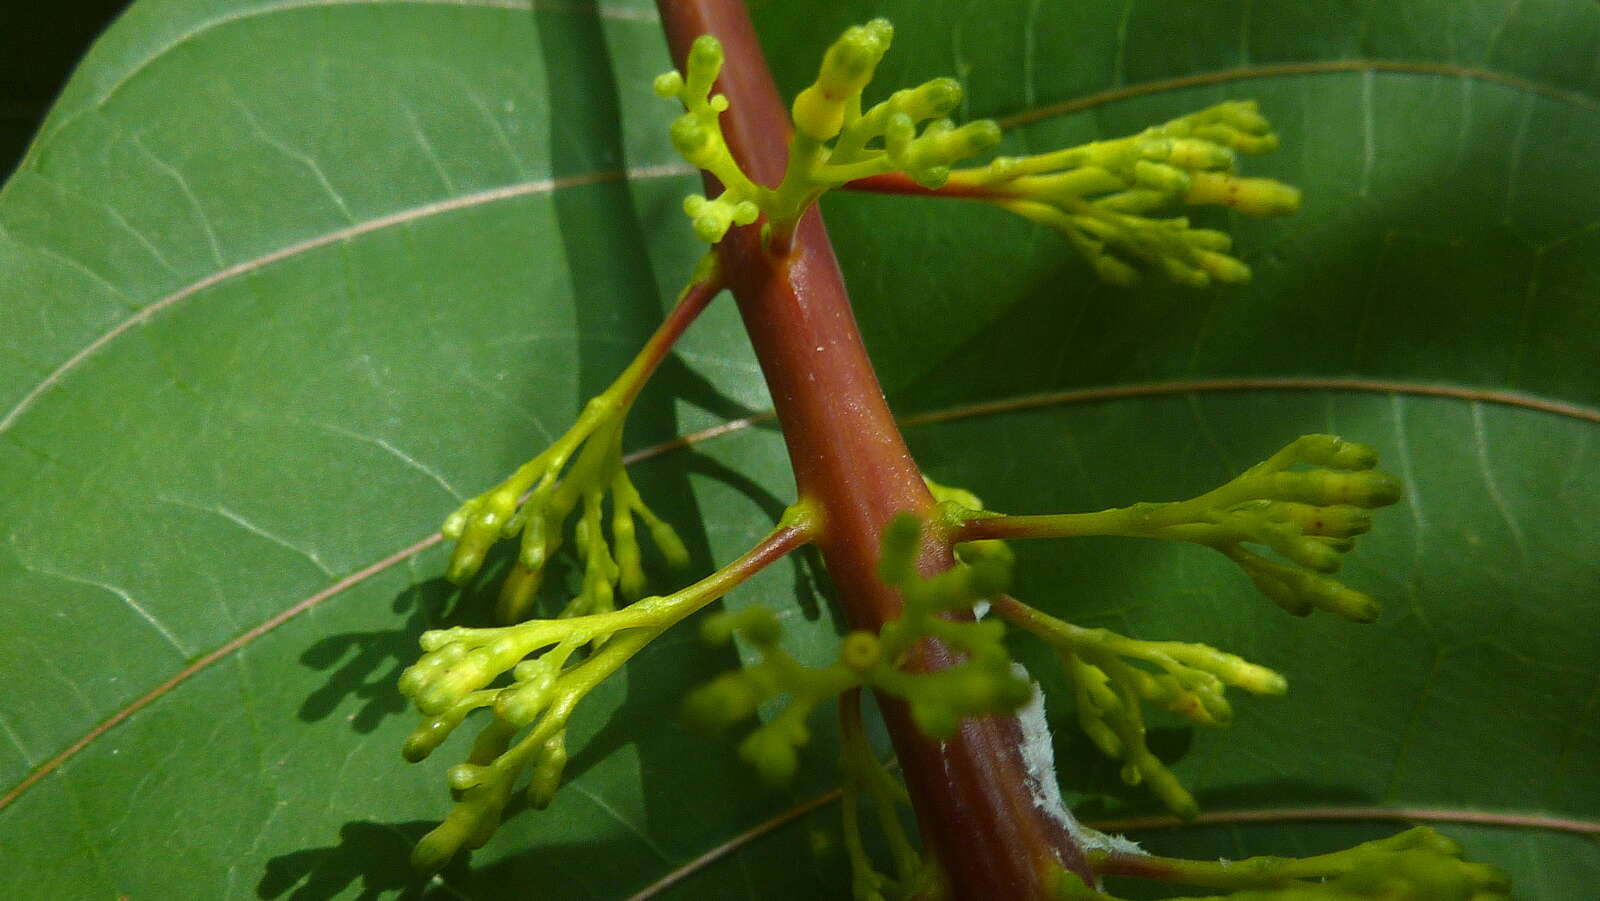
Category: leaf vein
[738,425]
[605,12]
[355,230]
[623,821]
[127,598]
[259,532]
[11,733]
[298,156]
[1281,70]
[1481,441]
[410,461]
[188,193]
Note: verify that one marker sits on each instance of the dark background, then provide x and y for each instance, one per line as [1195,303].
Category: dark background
[40,43]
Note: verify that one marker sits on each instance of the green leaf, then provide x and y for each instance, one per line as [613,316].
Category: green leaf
[284,280]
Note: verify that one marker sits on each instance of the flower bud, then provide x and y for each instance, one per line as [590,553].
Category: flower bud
[668,84]
[547,772]
[1251,196]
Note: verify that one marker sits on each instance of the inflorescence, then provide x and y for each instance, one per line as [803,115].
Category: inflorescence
[906,133]
[983,683]
[538,499]
[1185,678]
[1303,506]
[1099,196]
[1416,865]
[552,664]
[1307,517]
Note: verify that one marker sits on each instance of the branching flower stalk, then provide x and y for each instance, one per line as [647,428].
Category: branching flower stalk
[453,679]
[914,564]
[1416,865]
[536,501]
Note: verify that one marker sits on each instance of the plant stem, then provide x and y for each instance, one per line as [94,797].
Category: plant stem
[900,183]
[691,303]
[971,793]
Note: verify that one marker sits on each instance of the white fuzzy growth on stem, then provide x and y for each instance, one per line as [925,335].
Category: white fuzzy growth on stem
[1039,757]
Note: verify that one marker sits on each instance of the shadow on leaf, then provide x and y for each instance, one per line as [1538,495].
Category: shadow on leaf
[375,855]
[367,665]
[809,583]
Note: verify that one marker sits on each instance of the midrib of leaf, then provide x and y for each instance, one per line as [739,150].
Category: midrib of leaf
[547,185]
[990,408]
[1284,815]
[1290,383]
[356,230]
[1282,70]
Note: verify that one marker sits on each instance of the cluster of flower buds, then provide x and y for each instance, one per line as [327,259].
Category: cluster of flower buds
[1185,678]
[553,665]
[536,501]
[697,135]
[1305,504]
[772,748]
[1098,195]
[1416,865]
[984,682]
[452,679]
[906,133]
[1308,517]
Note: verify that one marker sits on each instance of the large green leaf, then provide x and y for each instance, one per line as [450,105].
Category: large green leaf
[283,280]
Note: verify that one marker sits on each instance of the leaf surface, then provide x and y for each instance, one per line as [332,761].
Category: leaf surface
[285,280]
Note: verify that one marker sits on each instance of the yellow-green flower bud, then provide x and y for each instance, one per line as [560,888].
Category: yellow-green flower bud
[722,702]
[1245,115]
[860,651]
[1366,488]
[1207,239]
[704,65]
[547,772]
[1333,452]
[1192,153]
[1252,196]
[694,141]
[1311,553]
[819,110]
[535,546]
[929,100]
[771,750]
[1336,521]
[463,776]
[900,544]
[1160,176]
[934,718]
[522,703]
[1166,787]
[667,541]
[438,846]
[432,731]
[1222,267]
[1335,597]
[1182,273]
[1114,271]
[668,84]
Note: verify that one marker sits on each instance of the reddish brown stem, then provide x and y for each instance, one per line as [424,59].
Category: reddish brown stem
[971,793]
[900,183]
[690,305]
